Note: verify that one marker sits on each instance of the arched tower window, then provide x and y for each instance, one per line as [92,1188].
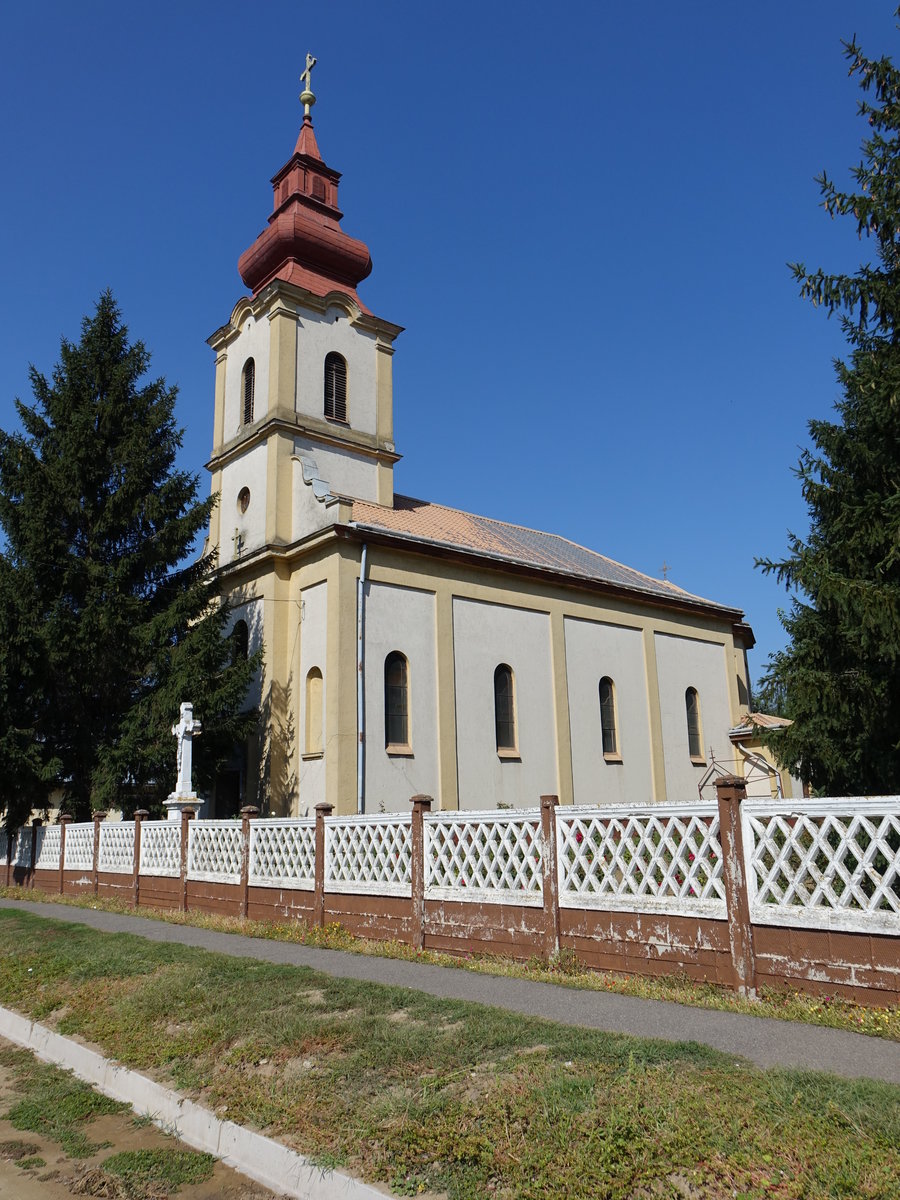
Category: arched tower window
[692,712]
[240,642]
[396,700]
[504,708]
[314,697]
[335,386]
[248,386]
[608,730]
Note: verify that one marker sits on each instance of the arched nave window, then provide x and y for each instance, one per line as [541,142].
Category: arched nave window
[314,696]
[335,387]
[504,708]
[694,731]
[396,700]
[608,731]
[240,642]
[248,387]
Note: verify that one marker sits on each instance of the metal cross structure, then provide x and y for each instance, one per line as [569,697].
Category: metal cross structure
[306,96]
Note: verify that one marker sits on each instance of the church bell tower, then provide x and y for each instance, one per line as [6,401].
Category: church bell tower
[303,399]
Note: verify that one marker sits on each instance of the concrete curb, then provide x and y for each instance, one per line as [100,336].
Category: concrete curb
[260,1158]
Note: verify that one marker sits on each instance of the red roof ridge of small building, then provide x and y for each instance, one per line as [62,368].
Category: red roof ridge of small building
[371,513]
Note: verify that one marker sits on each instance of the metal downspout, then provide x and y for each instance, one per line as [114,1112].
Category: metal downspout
[360,689]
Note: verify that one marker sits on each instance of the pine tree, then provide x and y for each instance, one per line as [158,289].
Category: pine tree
[114,631]
[839,677]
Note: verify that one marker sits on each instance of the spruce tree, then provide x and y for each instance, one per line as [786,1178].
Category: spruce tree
[839,676]
[114,631]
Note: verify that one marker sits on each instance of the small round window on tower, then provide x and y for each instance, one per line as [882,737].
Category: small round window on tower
[243,500]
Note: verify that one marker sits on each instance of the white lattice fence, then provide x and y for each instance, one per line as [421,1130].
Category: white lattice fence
[368,854]
[80,847]
[825,864]
[160,848]
[662,859]
[48,848]
[283,853]
[214,851]
[117,847]
[478,857]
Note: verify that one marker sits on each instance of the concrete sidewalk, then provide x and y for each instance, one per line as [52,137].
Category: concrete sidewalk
[762,1040]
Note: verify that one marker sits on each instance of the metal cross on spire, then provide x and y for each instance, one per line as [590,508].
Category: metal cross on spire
[307,99]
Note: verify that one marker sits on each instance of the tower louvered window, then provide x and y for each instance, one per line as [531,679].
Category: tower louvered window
[249,385]
[335,387]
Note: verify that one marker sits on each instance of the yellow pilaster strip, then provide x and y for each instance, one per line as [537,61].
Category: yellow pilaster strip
[654,714]
[219,414]
[448,782]
[340,682]
[564,772]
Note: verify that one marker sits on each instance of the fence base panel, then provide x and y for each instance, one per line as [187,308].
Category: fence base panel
[279,904]
[456,927]
[114,885]
[643,943]
[382,918]
[861,967]
[218,899]
[46,881]
[160,891]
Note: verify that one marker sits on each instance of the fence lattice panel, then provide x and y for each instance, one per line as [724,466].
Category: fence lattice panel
[160,848]
[477,857]
[825,863]
[369,854]
[660,859]
[49,838]
[283,853]
[117,847]
[214,851]
[80,847]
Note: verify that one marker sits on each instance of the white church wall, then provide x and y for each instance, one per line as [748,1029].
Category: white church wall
[682,663]
[485,635]
[250,611]
[595,650]
[318,335]
[346,473]
[313,642]
[401,619]
[249,471]
[251,342]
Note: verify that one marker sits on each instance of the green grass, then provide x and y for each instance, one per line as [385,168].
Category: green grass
[167,1168]
[54,1104]
[32,1164]
[827,1010]
[439,1095]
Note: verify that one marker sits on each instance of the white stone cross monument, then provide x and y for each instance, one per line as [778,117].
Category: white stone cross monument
[184,796]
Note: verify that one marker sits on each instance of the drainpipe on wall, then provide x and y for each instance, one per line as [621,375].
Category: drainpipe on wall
[360,680]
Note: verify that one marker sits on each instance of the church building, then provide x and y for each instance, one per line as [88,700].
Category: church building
[410,647]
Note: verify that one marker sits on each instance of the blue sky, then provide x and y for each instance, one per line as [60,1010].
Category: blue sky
[581,215]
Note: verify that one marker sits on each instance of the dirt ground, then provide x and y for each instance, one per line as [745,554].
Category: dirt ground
[62,1177]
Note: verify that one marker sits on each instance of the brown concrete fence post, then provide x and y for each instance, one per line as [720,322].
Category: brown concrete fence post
[247,813]
[420,806]
[550,887]
[98,817]
[35,826]
[140,815]
[187,815]
[323,810]
[731,791]
[9,853]
[64,821]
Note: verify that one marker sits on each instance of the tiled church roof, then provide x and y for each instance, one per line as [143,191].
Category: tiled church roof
[439,526]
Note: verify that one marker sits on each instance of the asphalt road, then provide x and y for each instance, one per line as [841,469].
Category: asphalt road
[762,1040]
